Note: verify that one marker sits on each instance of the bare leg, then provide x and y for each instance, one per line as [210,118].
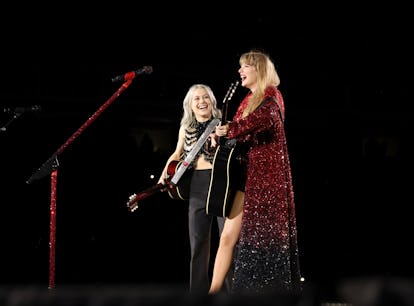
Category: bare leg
[228,240]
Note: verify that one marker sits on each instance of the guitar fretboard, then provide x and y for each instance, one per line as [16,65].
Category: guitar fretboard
[194,151]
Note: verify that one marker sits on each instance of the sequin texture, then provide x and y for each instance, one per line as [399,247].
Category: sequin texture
[266,258]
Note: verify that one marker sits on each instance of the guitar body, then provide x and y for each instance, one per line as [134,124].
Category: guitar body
[225,170]
[181,191]
[221,192]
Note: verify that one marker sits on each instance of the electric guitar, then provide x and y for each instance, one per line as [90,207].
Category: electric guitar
[220,193]
[178,185]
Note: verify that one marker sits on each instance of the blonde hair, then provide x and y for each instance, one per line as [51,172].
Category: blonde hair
[188,116]
[266,75]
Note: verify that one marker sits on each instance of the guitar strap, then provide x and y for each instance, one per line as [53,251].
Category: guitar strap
[180,183]
[278,106]
[193,153]
[280,103]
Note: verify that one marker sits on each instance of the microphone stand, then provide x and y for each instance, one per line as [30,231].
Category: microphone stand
[51,167]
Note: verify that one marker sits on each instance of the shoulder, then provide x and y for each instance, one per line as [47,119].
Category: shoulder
[181,131]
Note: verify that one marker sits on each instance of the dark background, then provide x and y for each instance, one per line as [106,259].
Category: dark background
[346,77]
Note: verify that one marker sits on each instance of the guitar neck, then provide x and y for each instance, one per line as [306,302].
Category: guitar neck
[194,151]
[225,107]
[134,199]
[224,111]
[227,98]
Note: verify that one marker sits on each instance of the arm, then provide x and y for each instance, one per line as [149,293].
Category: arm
[263,118]
[176,155]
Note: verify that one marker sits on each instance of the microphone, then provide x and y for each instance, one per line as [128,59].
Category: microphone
[132,74]
[24,109]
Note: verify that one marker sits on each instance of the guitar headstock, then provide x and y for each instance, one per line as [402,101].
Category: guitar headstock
[230,91]
[132,203]
[227,97]
[233,88]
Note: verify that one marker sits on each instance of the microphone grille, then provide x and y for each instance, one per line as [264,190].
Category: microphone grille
[147,69]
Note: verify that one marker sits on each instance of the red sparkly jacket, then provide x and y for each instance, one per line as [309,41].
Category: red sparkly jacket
[269,183]
[269,222]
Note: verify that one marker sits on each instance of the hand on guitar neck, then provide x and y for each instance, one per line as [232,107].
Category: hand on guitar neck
[223,128]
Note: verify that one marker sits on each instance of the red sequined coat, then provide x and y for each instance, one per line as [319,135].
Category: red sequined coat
[266,258]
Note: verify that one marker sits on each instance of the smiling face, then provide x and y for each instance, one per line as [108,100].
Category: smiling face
[248,75]
[201,105]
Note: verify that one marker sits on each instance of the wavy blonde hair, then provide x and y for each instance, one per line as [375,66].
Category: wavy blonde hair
[188,116]
[266,75]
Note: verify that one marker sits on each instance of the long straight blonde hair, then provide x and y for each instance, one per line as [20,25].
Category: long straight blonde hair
[266,76]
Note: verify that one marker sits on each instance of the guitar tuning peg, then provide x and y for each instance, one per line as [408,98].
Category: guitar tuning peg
[134,208]
[132,196]
[131,204]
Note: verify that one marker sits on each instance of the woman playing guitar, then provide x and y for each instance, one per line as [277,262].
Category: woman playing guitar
[199,108]
[261,226]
